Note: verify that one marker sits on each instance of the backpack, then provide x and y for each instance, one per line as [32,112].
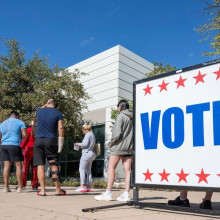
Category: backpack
[97,149]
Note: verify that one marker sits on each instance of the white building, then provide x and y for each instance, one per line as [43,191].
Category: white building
[110,77]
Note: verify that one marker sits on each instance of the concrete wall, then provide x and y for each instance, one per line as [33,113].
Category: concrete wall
[102,79]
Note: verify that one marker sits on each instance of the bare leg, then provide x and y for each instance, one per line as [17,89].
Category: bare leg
[183,194]
[41,178]
[208,195]
[6,171]
[55,168]
[113,162]
[18,165]
[127,169]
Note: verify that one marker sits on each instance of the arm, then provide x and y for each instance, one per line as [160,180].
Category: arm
[61,135]
[117,130]
[44,106]
[60,128]
[23,133]
[24,143]
[85,142]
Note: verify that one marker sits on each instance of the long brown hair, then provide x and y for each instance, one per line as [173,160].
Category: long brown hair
[34,126]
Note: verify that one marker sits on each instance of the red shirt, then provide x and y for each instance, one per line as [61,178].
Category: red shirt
[29,140]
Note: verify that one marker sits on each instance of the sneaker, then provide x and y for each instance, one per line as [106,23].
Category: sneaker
[20,190]
[35,188]
[178,202]
[83,190]
[103,197]
[88,189]
[123,198]
[206,204]
[79,189]
[6,190]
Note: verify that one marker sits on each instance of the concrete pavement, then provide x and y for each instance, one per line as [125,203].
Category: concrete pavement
[27,205]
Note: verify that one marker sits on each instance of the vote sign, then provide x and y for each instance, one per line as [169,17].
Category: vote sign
[177,129]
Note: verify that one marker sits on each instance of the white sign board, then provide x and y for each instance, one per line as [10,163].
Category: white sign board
[177,129]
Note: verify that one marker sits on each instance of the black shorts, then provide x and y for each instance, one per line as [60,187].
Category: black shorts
[11,153]
[45,148]
[127,155]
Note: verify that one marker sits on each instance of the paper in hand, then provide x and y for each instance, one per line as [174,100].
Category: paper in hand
[76,147]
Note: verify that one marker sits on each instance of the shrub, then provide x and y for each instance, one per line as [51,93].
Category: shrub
[71,182]
[100,184]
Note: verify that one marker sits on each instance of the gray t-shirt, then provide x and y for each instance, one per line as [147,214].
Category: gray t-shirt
[88,142]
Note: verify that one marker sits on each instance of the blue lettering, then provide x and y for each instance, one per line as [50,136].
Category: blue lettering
[150,133]
[216,122]
[198,122]
[178,128]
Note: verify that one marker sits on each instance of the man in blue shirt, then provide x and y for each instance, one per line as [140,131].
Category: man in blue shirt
[47,145]
[12,131]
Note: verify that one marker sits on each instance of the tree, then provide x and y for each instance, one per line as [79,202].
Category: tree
[27,84]
[211,30]
[159,68]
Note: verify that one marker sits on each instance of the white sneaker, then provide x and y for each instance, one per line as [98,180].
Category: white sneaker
[6,190]
[19,190]
[79,189]
[123,198]
[103,197]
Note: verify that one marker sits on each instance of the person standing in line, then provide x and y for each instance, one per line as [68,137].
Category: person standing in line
[88,156]
[27,147]
[47,145]
[12,131]
[121,149]
[183,201]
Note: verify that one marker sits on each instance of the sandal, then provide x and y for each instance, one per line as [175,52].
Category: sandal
[39,194]
[61,194]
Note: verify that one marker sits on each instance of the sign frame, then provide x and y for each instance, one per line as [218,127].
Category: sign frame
[158,186]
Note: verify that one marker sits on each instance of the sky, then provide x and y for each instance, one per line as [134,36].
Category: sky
[69,31]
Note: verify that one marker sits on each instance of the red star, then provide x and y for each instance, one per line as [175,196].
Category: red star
[182,176]
[199,78]
[148,175]
[180,82]
[202,176]
[164,175]
[218,175]
[147,89]
[163,86]
[218,74]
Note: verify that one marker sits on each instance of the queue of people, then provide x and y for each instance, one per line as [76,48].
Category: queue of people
[42,143]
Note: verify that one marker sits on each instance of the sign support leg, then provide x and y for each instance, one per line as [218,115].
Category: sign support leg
[135,195]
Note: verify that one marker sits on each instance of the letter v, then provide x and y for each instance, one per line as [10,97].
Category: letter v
[150,133]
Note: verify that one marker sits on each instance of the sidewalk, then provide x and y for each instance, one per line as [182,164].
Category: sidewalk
[15,206]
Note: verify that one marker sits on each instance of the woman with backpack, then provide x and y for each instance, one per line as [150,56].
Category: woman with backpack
[121,149]
[88,156]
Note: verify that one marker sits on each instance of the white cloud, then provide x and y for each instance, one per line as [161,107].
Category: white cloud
[87,41]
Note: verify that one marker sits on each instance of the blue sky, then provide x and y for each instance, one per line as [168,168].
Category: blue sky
[69,31]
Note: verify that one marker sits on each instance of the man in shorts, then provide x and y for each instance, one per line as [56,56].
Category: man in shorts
[11,132]
[47,145]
